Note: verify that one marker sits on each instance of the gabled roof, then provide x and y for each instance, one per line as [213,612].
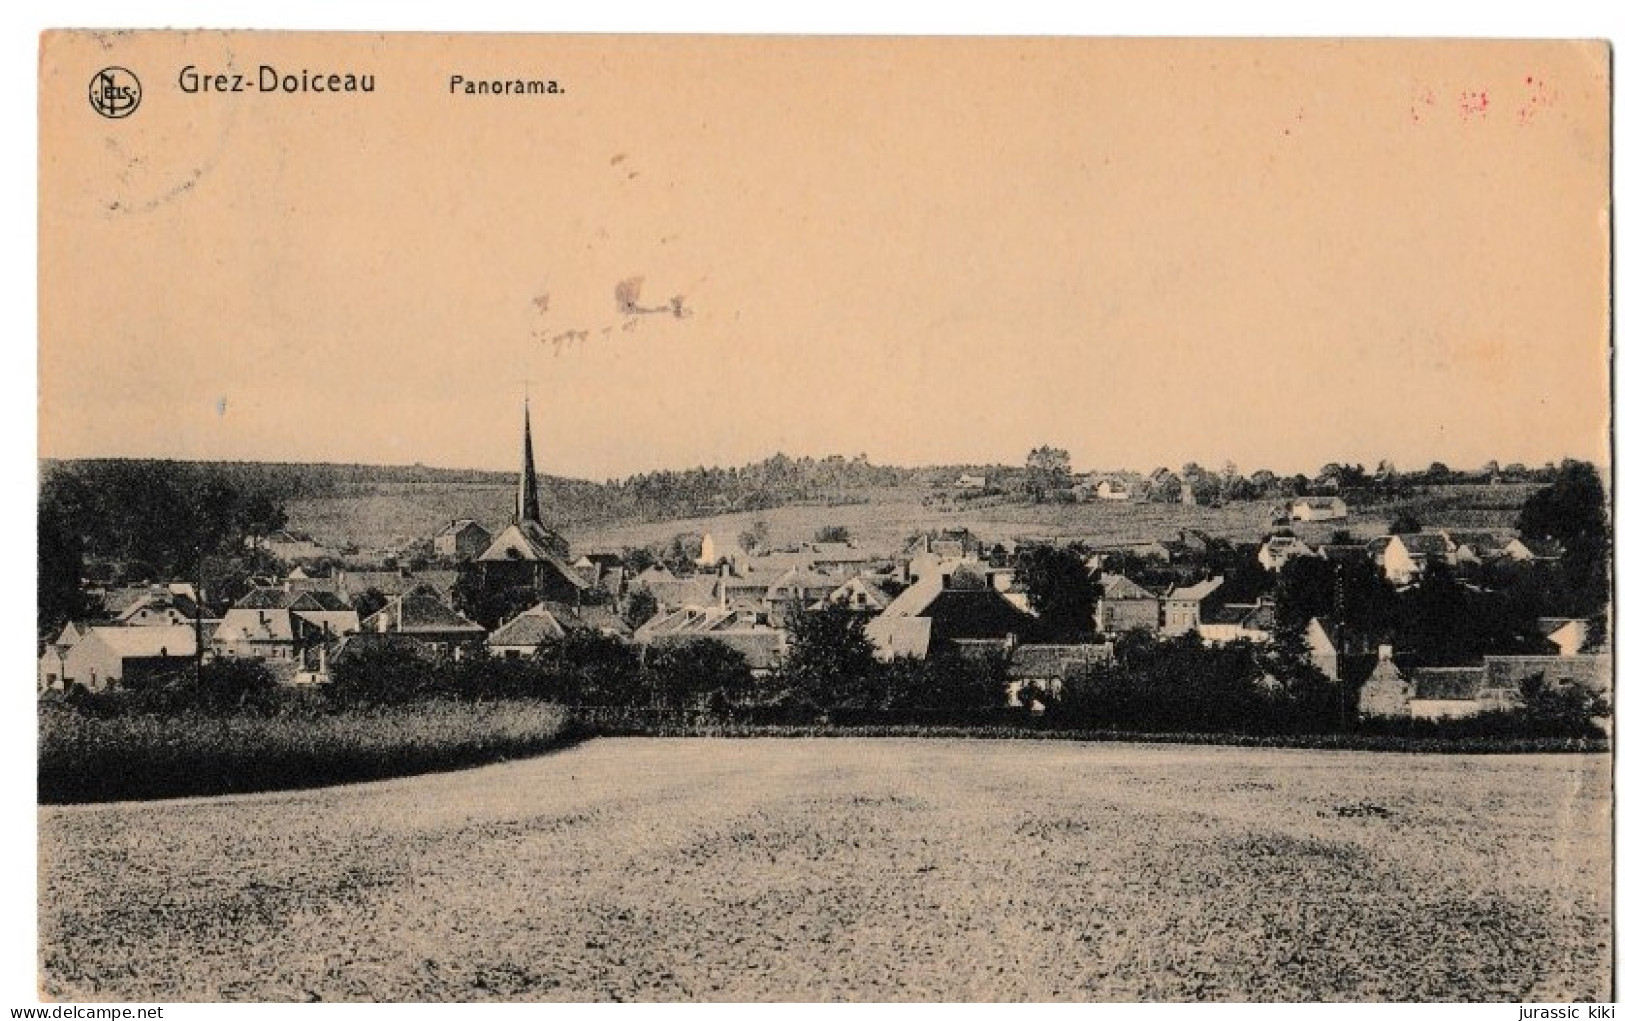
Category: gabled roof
[1482,540]
[1047,661]
[845,593]
[390,583]
[364,641]
[250,624]
[533,627]
[441,581]
[651,574]
[524,540]
[769,565]
[1551,625]
[805,581]
[548,621]
[159,601]
[1119,586]
[596,618]
[1321,634]
[264,599]
[1594,672]
[330,622]
[1447,683]
[961,614]
[900,637]
[1199,591]
[1424,544]
[176,640]
[912,601]
[116,600]
[695,590]
[1344,552]
[1546,549]
[1261,619]
[71,632]
[317,601]
[1232,613]
[422,610]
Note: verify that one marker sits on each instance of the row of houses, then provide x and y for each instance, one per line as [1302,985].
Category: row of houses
[1437,693]
[300,635]
[1404,558]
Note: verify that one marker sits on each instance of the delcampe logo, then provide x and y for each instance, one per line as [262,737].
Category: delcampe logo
[115,92]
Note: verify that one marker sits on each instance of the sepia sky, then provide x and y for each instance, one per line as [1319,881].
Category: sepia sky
[929,251]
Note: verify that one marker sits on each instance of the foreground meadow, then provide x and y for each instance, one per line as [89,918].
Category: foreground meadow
[853,869]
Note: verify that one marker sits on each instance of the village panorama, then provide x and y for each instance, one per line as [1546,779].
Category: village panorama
[1043,731]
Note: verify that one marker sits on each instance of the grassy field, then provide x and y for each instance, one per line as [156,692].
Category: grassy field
[387,513]
[85,757]
[892,516]
[854,870]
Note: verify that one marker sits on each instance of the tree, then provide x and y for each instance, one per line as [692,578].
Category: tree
[381,675]
[61,561]
[1062,590]
[755,537]
[1305,588]
[235,684]
[641,607]
[1433,619]
[162,517]
[697,673]
[955,681]
[1566,711]
[487,603]
[833,533]
[1573,512]
[369,602]
[596,669]
[1404,523]
[638,559]
[683,550]
[1048,469]
[830,662]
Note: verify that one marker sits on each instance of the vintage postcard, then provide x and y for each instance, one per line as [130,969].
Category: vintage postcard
[701,518]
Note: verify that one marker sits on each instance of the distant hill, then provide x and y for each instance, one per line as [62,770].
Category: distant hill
[380,506]
[388,506]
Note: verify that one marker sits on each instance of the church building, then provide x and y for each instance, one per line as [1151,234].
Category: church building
[527,553]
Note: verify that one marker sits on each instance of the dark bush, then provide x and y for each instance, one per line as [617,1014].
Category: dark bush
[700,673]
[383,675]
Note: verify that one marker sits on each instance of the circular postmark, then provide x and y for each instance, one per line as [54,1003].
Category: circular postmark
[115,92]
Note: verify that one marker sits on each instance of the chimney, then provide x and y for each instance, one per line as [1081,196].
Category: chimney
[1385,653]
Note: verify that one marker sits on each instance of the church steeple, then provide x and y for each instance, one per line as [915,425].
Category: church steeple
[528,506]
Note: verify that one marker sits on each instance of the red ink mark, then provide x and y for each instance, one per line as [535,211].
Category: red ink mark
[1418,100]
[1538,99]
[1475,104]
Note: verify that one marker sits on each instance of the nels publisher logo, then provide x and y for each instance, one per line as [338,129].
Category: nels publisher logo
[115,92]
